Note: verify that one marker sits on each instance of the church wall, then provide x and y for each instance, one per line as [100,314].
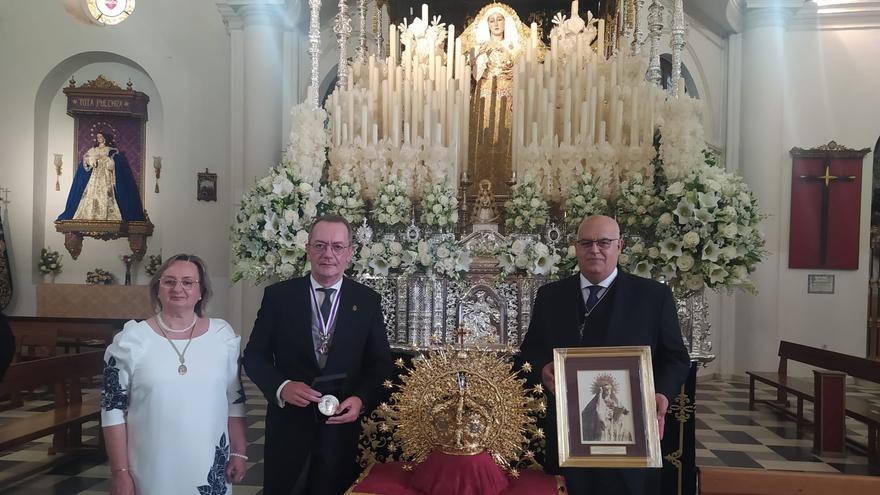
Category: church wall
[830,94]
[177,53]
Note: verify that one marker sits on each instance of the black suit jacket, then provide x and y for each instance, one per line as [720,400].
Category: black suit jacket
[281,348]
[642,313]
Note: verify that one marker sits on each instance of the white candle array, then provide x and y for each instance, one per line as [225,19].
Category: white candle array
[426,96]
[579,97]
[561,97]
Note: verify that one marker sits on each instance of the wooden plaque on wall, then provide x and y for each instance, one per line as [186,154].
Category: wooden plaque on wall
[826,185]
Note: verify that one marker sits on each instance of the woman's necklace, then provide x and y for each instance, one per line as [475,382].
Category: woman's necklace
[168,329]
[180,354]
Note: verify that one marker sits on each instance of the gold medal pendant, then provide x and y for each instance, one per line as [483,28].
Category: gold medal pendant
[181,369]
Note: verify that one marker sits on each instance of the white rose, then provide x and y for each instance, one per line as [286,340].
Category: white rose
[442,252]
[691,239]
[378,249]
[685,262]
[518,247]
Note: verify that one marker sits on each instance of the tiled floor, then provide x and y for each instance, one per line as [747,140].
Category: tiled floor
[728,434]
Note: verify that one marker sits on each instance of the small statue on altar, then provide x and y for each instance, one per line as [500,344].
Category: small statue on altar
[484,206]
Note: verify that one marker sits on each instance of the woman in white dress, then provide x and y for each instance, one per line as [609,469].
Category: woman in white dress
[172,401]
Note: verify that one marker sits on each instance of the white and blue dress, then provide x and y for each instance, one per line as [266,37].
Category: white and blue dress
[177,435]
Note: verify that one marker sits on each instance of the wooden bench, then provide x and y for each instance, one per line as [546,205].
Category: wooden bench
[62,374]
[803,388]
[73,334]
[737,481]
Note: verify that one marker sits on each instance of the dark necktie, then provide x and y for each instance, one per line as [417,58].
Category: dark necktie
[593,298]
[327,304]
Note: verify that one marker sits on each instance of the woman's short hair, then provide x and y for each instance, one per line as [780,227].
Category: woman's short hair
[204,282]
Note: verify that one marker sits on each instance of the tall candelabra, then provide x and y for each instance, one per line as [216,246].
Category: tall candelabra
[314,47]
[679,32]
[636,45]
[379,29]
[655,26]
[361,52]
[342,28]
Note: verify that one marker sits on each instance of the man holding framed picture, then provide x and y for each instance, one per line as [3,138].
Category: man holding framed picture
[604,306]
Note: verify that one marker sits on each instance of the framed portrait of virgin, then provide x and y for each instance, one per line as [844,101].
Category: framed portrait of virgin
[605,407]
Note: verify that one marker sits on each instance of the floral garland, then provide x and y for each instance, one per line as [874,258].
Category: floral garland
[439,207]
[586,197]
[50,262]
[343,197]
[527,210]
[525,257]
[270,232]
[391,208]
[99,276]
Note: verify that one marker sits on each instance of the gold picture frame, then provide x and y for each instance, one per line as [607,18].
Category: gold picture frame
[605,407]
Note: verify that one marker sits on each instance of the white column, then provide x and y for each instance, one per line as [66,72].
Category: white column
[257,117]
[763,164]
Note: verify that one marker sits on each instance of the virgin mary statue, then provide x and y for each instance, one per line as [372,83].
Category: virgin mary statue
[103,186]
[494,41]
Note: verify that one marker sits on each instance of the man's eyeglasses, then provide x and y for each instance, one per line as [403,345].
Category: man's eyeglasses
[602,243]
[170,283]
[320,247]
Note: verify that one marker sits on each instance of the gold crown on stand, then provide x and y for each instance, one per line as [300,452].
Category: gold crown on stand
[463,401]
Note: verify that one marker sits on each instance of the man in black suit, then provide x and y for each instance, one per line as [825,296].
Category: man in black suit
[604,306]
[322,324]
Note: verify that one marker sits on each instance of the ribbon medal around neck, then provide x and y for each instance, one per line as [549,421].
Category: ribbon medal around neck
[326,326]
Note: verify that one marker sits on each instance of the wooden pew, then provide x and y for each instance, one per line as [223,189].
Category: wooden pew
[74,334]
[803,389]
[737,481]
[62,374]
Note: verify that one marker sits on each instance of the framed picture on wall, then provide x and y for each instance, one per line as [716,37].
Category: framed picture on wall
[605,407]
[206,186]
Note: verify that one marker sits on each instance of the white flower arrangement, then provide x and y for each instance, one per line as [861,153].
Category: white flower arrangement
[343,197]
[706,234]
[637,206]
[270,232]
[681,139]
[586,197]
[308,142]
[439,207]
[391,208]
[50,262]
[445,258]
[421,37]
[521,256]
[99,276]
[527,211]
[385,257]
[154,261]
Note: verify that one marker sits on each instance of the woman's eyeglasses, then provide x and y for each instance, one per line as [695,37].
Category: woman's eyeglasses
[170,283]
